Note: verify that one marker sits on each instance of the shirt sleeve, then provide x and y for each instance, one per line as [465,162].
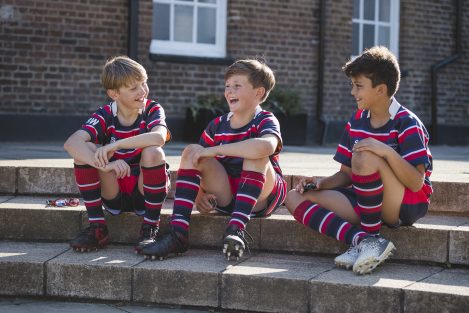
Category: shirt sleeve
[343,153]
[413,140]
[207,139]
[155,117]
[269,124]
[95,126]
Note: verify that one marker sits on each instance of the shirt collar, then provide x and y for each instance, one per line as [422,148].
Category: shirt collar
[393,108]
[258,110]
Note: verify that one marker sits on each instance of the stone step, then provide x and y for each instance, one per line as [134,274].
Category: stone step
[448,198]
[262,282]
[435,238]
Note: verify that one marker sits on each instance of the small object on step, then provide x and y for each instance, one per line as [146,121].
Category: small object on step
[63,202]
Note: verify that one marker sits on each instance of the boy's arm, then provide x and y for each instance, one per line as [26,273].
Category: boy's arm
[410,176]
[342,178]
[77,145]
[254,148]
[156,137]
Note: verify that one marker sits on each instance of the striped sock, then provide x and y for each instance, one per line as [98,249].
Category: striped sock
[154,191]
[88,182]
[369,191]
[187,188]
[328,223]
[250,187]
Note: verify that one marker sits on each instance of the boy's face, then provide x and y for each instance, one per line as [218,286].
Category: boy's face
[241,94]
[132,96]
[364,93]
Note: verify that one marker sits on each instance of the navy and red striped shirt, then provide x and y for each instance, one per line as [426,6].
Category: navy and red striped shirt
[219,132]
[404,132]
[104,127]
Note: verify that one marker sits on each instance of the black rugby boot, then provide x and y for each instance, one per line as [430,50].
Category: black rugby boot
[92,238]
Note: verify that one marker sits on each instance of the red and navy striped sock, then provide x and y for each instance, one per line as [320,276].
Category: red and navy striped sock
[89,184]
[250,187]
[328,223]
[154,191]
[369,191]
[187,188]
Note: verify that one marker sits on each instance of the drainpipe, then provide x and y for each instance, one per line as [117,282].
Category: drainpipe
[435,68]
[132,31]
[320,91]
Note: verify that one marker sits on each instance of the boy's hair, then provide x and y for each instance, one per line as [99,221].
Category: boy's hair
[379,65]
[258,73]
[121,71]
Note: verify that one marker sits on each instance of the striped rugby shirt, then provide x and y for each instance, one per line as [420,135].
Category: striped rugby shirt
[404,132]
[219,132]
[104,127]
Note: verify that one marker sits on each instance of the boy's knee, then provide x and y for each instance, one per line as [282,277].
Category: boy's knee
[258,165]
[363,160]
[152,155]
[292,200]
[190,150]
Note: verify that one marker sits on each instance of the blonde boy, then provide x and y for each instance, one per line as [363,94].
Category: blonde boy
[118,156]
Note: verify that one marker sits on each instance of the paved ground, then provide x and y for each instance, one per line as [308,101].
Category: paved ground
[25,305]
[451,163]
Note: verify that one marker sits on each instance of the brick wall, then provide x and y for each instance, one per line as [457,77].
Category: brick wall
[51,54]
[427,36]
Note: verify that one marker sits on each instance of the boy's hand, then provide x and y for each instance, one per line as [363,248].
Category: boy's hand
[300,187]
[370,144]
[120,167]
[202,154]
[206,202]
[103,154]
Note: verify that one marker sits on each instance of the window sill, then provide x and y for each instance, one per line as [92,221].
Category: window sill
[190,59]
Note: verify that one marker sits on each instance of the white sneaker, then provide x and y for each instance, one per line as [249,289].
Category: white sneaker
[347,259]
[372,251]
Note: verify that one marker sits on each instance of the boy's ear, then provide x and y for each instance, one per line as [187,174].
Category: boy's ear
[382,89]
[260,92]
[112,93]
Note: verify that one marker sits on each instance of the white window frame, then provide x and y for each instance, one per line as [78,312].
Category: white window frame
[194,49]
[393,25]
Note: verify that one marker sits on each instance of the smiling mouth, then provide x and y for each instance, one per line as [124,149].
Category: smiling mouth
[233,101]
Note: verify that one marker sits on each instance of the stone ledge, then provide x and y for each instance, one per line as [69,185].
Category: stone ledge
[435,238]
[263,282]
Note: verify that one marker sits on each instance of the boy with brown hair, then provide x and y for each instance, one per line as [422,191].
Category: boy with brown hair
[234,169]
[118,157]
[385,157]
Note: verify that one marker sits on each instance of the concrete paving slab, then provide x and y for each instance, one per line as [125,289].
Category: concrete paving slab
[191,279]
[445,291]
[22,266]
[271,284]
[27,218]
[8,181]
[340,290]
[450,197]
[26,305]
[295,237]
[105,274]
[459,245]
[46,180]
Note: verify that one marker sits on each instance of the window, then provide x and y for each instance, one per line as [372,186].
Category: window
[375,22]
[189,28]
